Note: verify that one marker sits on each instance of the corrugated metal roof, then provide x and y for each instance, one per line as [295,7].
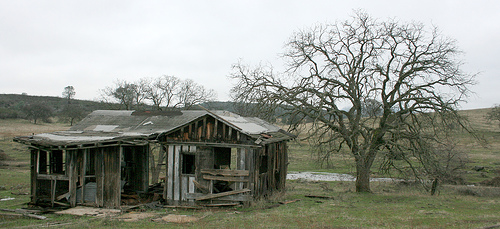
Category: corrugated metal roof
[105,125]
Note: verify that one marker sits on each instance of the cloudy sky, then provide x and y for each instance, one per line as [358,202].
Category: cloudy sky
[48,45]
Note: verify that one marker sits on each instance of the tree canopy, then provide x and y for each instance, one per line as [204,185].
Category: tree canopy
[367,86]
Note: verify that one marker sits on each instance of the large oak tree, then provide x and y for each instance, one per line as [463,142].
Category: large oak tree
[368,86]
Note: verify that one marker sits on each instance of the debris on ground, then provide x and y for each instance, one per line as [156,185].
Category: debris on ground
[21,212]
[90,211]
[319,197]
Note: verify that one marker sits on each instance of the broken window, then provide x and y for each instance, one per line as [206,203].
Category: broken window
[51,162]
[225,158]
[188,163]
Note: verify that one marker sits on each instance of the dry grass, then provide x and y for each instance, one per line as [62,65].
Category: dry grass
[18,127]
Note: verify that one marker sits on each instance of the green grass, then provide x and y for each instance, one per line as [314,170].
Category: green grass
[389,206]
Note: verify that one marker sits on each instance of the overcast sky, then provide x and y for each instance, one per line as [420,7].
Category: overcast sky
[48,45]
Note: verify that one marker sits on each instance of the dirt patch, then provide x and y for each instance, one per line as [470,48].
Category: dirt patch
[136,216]
[171,218]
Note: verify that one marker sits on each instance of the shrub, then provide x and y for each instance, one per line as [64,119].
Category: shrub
[6,113]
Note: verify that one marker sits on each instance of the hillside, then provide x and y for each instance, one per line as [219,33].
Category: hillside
[11,105]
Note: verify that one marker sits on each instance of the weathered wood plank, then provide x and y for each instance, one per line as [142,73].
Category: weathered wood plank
[193,196]
[202,188]
[184,186]
[51,177]
[230,179]
[225,172]
[34,173]
[191,184]
[170,173]
[217,195]
[72,177]
[176,177]
[24,213]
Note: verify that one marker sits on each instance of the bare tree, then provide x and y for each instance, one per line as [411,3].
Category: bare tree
[191,93]
[129,95]
[399,72]
[162,91]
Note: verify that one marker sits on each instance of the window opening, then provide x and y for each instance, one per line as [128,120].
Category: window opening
[188,163]
[225,158]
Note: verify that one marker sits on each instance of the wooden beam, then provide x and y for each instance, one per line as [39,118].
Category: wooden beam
[243,198]
[217,195]
[226,172]
[230,179]
[201,187]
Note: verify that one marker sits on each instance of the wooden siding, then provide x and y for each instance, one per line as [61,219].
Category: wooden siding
[177,185]
[274,178]
[207,129]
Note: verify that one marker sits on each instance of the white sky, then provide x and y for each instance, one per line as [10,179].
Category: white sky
[48,45]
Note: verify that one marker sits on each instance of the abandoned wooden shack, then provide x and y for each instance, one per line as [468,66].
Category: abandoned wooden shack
[210,156]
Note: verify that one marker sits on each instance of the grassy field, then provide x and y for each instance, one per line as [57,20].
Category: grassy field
[391,205]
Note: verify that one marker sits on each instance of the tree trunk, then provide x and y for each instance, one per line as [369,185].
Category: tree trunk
[362,176]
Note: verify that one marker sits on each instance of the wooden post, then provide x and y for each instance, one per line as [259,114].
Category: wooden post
[99,176]
[34,174]
[83,173]
[73,176]
[215,130]
[53,187]
[204,129]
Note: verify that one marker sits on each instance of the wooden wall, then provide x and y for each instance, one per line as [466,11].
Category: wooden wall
[177,185]
[273,178]
[207,129]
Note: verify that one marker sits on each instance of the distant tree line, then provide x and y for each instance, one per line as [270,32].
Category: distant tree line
[46,108]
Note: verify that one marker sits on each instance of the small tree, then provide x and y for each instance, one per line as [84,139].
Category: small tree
[37,112]
[69,93]
[494,114]
[72,113]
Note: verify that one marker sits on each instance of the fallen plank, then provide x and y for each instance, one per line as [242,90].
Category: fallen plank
[221,205]
[212,196]
[289,201]
[320,197]
[184,207]
[242,198]
[201,187]
[65,195]
[24,213]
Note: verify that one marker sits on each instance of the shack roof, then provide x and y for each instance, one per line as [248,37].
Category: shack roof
[119,125]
